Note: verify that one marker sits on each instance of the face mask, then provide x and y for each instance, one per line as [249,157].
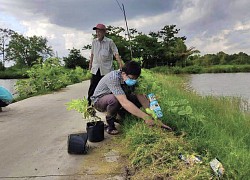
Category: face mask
[130,82]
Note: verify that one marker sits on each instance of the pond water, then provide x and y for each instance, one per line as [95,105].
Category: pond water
[222,84]
[8,84]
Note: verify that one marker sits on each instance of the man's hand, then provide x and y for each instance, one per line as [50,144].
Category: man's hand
[130,107]
[149,120]
[164,126]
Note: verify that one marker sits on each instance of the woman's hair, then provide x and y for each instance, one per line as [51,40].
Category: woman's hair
[132,68]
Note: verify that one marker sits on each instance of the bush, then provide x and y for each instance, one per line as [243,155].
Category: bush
[47,77]
[192,69]
[176,70]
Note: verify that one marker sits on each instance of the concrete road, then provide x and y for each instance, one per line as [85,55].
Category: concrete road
[33,136]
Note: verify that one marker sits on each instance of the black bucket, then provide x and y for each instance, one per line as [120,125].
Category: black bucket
[77,143]
[95,131]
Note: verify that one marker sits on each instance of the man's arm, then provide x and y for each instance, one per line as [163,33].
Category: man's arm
[119,60]
[133,109]
[143,100]
[91,61]
[130,107]
[116,54]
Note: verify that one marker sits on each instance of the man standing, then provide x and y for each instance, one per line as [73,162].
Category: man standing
[101,59]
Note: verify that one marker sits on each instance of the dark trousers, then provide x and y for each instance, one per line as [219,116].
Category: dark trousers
[111,105]
[93,83]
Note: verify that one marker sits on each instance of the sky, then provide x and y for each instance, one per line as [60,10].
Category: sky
[209,26]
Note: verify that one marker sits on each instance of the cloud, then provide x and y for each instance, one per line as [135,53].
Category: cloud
[83,14]
[61,38]
[210,26]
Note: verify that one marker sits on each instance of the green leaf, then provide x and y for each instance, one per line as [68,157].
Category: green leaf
[189,110]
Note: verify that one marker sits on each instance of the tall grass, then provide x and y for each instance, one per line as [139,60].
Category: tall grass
[209,126]
[12,73]
[227,69]
[154,154]
[202,69]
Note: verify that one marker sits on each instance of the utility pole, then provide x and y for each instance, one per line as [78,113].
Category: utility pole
[125,18]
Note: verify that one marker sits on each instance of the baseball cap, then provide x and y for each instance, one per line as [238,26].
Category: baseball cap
[100,26]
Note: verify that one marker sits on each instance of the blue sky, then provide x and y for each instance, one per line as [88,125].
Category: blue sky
[210,26]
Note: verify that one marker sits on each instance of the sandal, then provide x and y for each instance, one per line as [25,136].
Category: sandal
[106,126]
[112,131]
[111,126]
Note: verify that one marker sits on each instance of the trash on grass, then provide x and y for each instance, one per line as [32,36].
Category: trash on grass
[190,159]
[217,167]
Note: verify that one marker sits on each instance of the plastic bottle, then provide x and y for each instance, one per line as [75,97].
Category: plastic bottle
[154,105]
[217,167]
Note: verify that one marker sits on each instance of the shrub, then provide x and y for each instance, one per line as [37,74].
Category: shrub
[192,69]
[47,77]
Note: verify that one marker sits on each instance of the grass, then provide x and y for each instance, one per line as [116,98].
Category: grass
[13,74]
[206,126]
[154,154]
[202,69]
[210,127]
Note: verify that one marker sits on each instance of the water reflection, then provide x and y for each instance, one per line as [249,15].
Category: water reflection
[223,84]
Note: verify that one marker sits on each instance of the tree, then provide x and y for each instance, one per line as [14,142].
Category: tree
[75,59]
[222,57]
[1,66]
[173,47]
[121,42]
[4,38]
[25,51]
[155,49]
[162,48]
[242,58]
[184,56]
[147,49]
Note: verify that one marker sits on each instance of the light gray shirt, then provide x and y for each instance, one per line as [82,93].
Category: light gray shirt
[103,52]
[110,83]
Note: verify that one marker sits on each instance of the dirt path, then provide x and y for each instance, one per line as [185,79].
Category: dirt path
[33,140]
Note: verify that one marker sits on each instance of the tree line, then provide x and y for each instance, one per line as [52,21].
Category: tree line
[23,51]
[161,48]
[220,58]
